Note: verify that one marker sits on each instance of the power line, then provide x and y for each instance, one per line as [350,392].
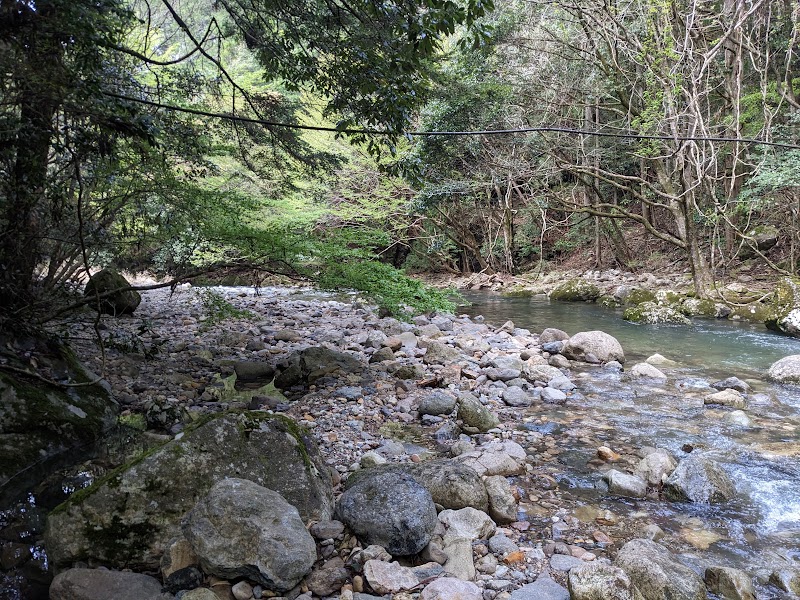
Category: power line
[367,131]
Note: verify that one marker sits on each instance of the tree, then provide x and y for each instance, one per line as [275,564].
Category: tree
[85,89]
[658,80]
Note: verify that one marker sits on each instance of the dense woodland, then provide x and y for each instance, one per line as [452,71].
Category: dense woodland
[186,137]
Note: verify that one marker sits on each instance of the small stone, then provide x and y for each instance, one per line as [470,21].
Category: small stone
[242,591]
[623,484]
[325,530]
[726,398]
[601,538]
[646,370]
[449,588]
[553,396]
[502,504]
[433,552]
[543,588]
[607,454]
[561,562]
[500,545]
[513,558]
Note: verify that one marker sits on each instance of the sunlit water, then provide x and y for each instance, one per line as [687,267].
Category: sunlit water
[760,528]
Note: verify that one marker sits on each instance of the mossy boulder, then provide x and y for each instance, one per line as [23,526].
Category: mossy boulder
[638,296]
[668,298]
[127,518]
[576,290]
[607,301]
[109,286]
[755,312]
[517,291]
[43,425]
[699,307]
[785,310]
[652,313]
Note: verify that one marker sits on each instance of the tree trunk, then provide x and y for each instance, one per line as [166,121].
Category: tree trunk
[25,210]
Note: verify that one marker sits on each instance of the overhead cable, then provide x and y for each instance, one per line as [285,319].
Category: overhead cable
[367,131]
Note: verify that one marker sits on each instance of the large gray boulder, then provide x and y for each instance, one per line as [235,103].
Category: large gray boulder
[307,366]
[657,574]
[475,414]
[786,370]
[41,425]
[241,529]
[127,518]
[699,479]
[102,584]
[451,483]
[107,290]
[784,313]
[598,581]
[391,510]
[603,346]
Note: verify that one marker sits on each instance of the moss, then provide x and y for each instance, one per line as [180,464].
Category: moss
[652,313]
[402,432]
[638,296]
[668,297]
[608,301]
[112,479]
[517,291]
[576,290]
[134,421]
[695,307]
[755,312]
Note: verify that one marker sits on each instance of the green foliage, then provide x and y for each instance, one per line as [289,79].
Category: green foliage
[218,309]
[388,287]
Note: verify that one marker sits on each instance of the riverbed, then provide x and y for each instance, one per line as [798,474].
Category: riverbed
[760,529]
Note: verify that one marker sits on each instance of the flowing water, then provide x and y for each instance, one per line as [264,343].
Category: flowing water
[759,529]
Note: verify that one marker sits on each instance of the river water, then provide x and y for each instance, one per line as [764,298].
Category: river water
[757,531]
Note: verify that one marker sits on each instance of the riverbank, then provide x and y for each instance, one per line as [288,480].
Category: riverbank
[545,417]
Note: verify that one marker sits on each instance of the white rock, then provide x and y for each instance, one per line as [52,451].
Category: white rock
[389,577]
[450,588]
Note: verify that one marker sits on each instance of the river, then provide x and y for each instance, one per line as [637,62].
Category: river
[759,530]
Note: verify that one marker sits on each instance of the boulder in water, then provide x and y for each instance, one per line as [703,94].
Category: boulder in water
[728,583]
[653,313]
[784,313]
[603,346]
[786,370]
[575,290]
[699,479]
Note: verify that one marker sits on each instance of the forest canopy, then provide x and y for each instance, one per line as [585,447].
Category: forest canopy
[168,136]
